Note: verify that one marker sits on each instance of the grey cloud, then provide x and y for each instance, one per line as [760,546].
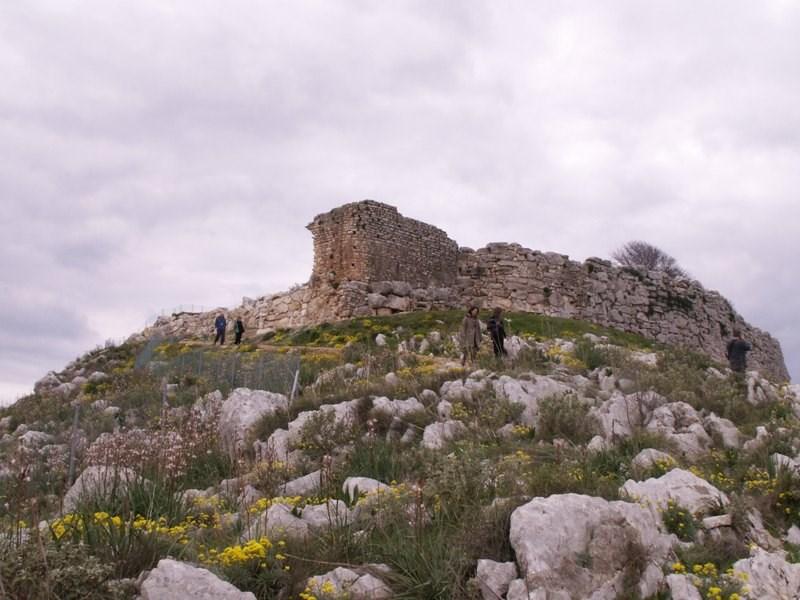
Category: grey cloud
[162,154]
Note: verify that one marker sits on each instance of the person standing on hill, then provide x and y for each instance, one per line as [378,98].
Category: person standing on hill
[497,332]
[220,324]
[470,335]
[736,352]
[238,329]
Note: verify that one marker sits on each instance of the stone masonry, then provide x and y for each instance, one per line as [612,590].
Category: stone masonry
[370,241]
[370,260]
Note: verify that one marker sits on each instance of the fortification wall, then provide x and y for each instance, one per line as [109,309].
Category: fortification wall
[369,241]
[369,260]
[672,311]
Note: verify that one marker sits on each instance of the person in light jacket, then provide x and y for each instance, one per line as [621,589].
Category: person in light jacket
[470,335]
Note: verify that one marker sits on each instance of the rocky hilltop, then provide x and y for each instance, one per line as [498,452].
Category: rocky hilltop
[360,460]
[369,260]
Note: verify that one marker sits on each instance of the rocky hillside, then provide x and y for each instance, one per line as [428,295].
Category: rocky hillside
[359,460]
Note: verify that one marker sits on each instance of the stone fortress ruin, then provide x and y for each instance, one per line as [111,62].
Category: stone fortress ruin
[370,260]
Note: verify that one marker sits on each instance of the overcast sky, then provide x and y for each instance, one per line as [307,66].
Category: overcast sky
[164,153]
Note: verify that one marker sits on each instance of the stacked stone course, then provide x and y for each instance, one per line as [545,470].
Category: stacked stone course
[370,241]
[369,260]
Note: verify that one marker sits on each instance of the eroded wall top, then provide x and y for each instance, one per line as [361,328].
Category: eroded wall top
[370,241]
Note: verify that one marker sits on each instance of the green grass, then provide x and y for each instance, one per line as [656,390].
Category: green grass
[364,330]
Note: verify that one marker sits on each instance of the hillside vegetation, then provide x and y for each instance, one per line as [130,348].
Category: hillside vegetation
[361,460]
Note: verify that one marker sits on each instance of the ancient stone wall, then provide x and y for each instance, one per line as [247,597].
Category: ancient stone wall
[369,241]
[369,260]
[673,311]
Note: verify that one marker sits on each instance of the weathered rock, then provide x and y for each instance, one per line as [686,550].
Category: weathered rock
[781,462]
[770,576]
[681,588]
[369,587]
[356,486]
[347,583]
[306,485]
[597,444]
[620,416]
[173,580]
[97,482]
[718,521]
[47,382]
[242,411]
[35,439]
[650,457]
[793,535]
[98,377]
[342,414]
[495,577]
[762,437]
[457,389]
[334,513]
[758,534]
[529,393]
[679,486]
[397,408]
[380,339]
[436,435]
[517,590]
[723,429]
[278,523]
[573,546]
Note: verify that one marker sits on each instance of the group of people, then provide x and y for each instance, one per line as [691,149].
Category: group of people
[471,334]
[735,351]
[221,324]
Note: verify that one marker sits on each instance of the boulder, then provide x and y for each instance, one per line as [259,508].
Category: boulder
[342,414]
[679,486]
[621,415]
[681,588]
[48,382]
[574,546]
[494,578]
[346,583]
[369,587]
[380,340]
[650,457]
[97,377]
[461,390]
[397,408]
[769,575]
[278,523]
[306,485]
[173,580]
[333,513]
[242,411]
[35,439]
[781,462]
[517,590]
[528,393]
[355,487]
[436,435]
[722,429]
[793,535]
[96,482]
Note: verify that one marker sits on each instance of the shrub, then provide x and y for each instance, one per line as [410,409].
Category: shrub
[43,569]
[564,416]
[679,520]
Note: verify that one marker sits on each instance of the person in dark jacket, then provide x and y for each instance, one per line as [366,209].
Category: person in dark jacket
[220,324]
[470,335]
[498,333]
[238,329]
[736,351]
